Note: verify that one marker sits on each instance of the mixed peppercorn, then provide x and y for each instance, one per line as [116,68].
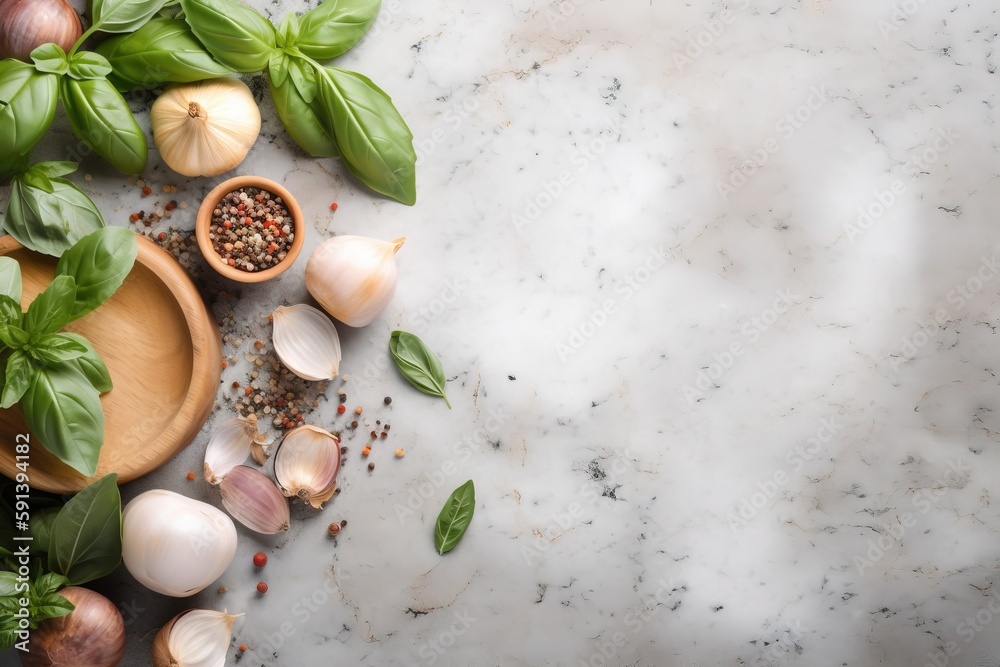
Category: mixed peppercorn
[251,229]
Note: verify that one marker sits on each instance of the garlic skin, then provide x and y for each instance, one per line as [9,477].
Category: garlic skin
[205,128]
[176,545]
[255,501]
[27,24]
[353,277]
[306,464]
[229,445]
[194,638]
[307,342]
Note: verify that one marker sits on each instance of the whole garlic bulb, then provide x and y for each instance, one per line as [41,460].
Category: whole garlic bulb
[205,128]
[194,638]
[27,24]
[353,277]
[176,545]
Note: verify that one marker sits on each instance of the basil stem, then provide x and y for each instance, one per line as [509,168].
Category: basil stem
[455,517]
[418,364]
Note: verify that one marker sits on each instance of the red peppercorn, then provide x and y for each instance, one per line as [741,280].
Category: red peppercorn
[333,206]
[341,409]
[243,648]
[190,476]
[262,587]
[260,559]
[147,191]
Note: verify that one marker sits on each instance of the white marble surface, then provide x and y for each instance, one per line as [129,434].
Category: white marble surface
[748,426]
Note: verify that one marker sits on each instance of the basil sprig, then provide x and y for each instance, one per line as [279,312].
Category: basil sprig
[455,517]
[72,544]
[329,112]
[57,378]
[418,364]
[48,213]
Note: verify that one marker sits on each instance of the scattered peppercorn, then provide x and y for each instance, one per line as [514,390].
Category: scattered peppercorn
[190,476]
[147,191]
[387,400]
[357,410]
[341,409]
[383,435]
[333,206]
[366,451]
[262,588]
[400,453]
[343,523]
[222,589]
[333,529]
[354,424]
[260,559]
[243,648]
[371,466]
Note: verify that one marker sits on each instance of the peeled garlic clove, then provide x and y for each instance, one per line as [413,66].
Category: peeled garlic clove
[306,342]
[353,277]
[306,464]
[194,638]
[255,501]
[229,445]
[175,545]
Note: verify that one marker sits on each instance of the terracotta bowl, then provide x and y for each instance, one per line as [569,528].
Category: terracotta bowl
[204,221]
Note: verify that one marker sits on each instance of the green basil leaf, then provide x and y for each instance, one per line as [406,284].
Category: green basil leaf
[50,582]
[50,58]
[17,377]
[418,364]
[91,364]
[50,222]
[53,169]
[163,50]
[63,411]
[10,310]
[373,138]
[40,528]
[455,517]
[87,535]
[89,65]
[13,336]
[288,30]
[308,124]
[58,347]
[99,263]
[304,77]
[8,584]
[277,67]
[27,106]
[334,27]
[10,279]
[100,116]
[123,15]
[236,35]
[52,606]
[38,181]
[53,308]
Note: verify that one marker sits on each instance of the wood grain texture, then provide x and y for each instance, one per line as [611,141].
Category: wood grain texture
[163,351]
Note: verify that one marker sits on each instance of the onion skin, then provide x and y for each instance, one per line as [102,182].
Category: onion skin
[92,635]
[27,24]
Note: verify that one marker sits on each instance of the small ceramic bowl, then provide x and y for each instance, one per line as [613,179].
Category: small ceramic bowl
[204,221]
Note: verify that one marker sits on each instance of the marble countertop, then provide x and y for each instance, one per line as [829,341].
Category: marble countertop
[715,287]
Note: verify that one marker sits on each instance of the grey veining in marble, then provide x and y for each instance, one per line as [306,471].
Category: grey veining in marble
[715,285]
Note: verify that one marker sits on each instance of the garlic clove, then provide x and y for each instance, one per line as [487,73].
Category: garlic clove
[175,545]
[353,277]
[194,638]
[255,501]
[229,445]
[306,464]
[307,342]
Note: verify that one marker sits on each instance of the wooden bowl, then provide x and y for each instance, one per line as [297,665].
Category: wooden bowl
[163,350]
[204,221]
